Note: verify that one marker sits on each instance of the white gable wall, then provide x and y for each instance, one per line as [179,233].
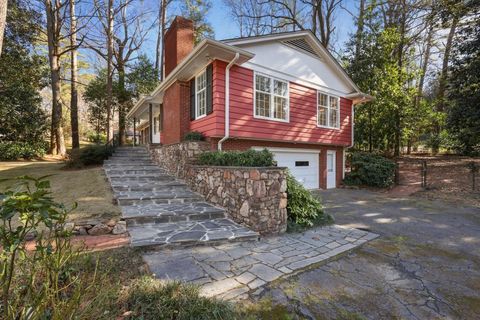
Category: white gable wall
[283,61]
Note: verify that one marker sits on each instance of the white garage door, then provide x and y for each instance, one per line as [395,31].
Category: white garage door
[303,164]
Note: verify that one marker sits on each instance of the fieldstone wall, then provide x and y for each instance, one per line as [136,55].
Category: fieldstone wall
[175,158]
[254,197]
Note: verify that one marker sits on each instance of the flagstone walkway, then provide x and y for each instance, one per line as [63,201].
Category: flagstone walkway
[231,271]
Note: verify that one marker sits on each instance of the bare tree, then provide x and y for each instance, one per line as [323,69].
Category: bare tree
[159,57]
[3,19]
[129,32]
[74,77]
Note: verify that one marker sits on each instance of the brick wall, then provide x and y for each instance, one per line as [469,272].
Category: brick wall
[176,114]
[178,42]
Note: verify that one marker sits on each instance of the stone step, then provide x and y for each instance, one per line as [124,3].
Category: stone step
[122,161]
[156,197]
[118,179]
[129,158]
[164,213]
[130,166]
[127,154]
[159,188]
[114,172]
[189,233]
[121,185]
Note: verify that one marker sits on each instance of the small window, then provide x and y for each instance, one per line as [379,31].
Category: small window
[302,163]
[271,98]
[201,94]
[328,111]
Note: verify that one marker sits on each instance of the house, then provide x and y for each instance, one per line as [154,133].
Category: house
[284,92]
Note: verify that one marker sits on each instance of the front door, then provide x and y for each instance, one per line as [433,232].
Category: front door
[331,170]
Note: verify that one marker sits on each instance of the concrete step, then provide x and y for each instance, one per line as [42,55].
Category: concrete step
[165,213]
[189,233]
[125,198]
[130,166]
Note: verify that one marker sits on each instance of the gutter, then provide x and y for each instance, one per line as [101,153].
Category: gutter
[227,101]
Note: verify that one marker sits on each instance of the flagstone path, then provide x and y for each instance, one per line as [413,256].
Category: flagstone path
[231,271]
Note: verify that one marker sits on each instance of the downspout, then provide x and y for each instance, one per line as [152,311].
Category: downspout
[227,101]
[353,134]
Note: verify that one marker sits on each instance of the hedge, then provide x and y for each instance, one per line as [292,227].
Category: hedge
[372,170]
[250,158]
[88,156]
[10,150]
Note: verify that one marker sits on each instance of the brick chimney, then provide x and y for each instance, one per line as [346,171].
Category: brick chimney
[178,42]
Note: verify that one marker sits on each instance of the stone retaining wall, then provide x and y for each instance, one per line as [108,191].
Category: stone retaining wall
[254,197]
[176,157]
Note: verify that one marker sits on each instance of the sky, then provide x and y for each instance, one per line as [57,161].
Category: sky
[225,28]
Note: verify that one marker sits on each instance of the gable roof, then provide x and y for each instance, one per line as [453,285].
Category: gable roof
[304,41]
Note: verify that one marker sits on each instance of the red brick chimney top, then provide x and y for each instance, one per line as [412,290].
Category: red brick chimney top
[178,42]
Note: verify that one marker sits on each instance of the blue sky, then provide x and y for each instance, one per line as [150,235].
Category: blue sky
[219,17]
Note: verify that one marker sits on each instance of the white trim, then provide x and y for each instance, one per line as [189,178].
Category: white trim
[298,34]
[328,111]
[195,53]
[282,75]
[343,165]
[291,150]
[272,97]
[197,115]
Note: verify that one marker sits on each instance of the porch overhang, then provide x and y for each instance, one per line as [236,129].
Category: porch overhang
[204,53]
[359,97]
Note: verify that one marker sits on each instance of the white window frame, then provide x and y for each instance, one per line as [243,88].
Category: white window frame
[329,126]
[197,110]
[272,98]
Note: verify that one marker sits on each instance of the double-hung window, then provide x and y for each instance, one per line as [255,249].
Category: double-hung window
[328,110]
[271,98]
[201,94]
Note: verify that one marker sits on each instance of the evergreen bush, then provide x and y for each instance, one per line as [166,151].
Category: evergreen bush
[370,169]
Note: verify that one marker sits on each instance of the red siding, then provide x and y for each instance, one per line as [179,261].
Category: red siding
[301,128]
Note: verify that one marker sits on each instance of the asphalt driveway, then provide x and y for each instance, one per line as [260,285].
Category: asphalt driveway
[425,265]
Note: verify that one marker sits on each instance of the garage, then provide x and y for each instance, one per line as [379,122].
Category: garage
[303,164]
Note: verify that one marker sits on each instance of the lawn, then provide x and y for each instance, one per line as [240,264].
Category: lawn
[87,187]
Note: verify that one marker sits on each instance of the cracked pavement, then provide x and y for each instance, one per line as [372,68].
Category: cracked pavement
[425,265]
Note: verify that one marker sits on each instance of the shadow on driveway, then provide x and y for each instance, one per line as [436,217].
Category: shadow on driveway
[425,265]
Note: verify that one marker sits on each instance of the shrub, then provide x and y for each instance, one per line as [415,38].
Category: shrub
[97,137]
[88,156]
[303,209]
[148,298]
[36,284]
[370,170]
[194,136]
[250,158]
[10,150]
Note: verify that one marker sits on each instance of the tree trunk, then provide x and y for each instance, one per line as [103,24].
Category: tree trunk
[160,44]
[121,103]
[443,81]
[57,142]
[359,33]
[109,66]
[3,19]
[73,84]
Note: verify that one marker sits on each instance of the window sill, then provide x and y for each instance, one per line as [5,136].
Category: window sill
[271,119]
[199,117]
[327,127]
